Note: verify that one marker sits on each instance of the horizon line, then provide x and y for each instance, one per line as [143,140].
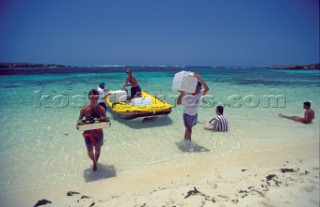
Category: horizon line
[160,65]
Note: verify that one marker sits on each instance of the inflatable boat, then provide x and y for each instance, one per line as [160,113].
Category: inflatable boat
[141,107]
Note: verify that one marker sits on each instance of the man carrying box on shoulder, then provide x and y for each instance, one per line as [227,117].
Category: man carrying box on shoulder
[93,137]
[191,104]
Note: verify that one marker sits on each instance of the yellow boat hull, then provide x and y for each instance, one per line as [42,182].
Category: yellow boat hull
[128,111]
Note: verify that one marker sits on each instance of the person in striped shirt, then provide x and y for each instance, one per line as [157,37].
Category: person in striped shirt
[220,123]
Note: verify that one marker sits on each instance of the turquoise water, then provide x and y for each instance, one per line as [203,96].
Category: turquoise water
[40,147]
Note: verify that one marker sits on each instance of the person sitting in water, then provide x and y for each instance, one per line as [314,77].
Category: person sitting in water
[220,122]
[93,138]
[102,95]
[132,81]
[308,114]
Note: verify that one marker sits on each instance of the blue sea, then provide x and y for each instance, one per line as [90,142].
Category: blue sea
[40,147]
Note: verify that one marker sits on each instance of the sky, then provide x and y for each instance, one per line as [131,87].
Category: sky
[160,32]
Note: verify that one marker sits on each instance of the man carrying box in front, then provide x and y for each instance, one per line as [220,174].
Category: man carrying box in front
[93,137]
[191,104]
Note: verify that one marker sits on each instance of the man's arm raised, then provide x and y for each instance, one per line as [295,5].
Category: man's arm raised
[205,86]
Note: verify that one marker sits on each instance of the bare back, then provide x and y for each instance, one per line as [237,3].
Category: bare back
[308,116]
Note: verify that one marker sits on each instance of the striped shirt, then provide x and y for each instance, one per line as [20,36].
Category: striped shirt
[220,123]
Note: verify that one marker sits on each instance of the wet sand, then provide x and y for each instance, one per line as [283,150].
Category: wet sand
[287,177]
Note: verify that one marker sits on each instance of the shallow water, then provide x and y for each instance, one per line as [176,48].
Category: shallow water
[36,153]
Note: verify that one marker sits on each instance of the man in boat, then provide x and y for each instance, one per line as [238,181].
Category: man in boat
[132,81]
[308,114]
[102,95]
[220,123]
[93,138]
[191,104]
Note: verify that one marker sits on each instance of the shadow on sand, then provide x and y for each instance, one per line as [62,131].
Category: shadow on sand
[196,148]
[145,123]
[103,172]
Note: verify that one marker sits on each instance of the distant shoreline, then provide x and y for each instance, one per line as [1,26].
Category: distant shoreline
[29,65]
[4,65]
[296,67]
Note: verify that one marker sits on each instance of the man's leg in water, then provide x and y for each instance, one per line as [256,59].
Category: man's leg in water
[294,118]
[97,155]
[188,133]
[91,155]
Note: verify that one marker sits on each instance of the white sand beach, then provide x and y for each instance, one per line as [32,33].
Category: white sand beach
[237,179]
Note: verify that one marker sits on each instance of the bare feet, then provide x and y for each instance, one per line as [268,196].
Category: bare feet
[95,167]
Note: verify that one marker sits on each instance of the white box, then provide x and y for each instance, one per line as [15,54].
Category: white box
[94,126]
[184,81]
[118,96]
[142,101]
